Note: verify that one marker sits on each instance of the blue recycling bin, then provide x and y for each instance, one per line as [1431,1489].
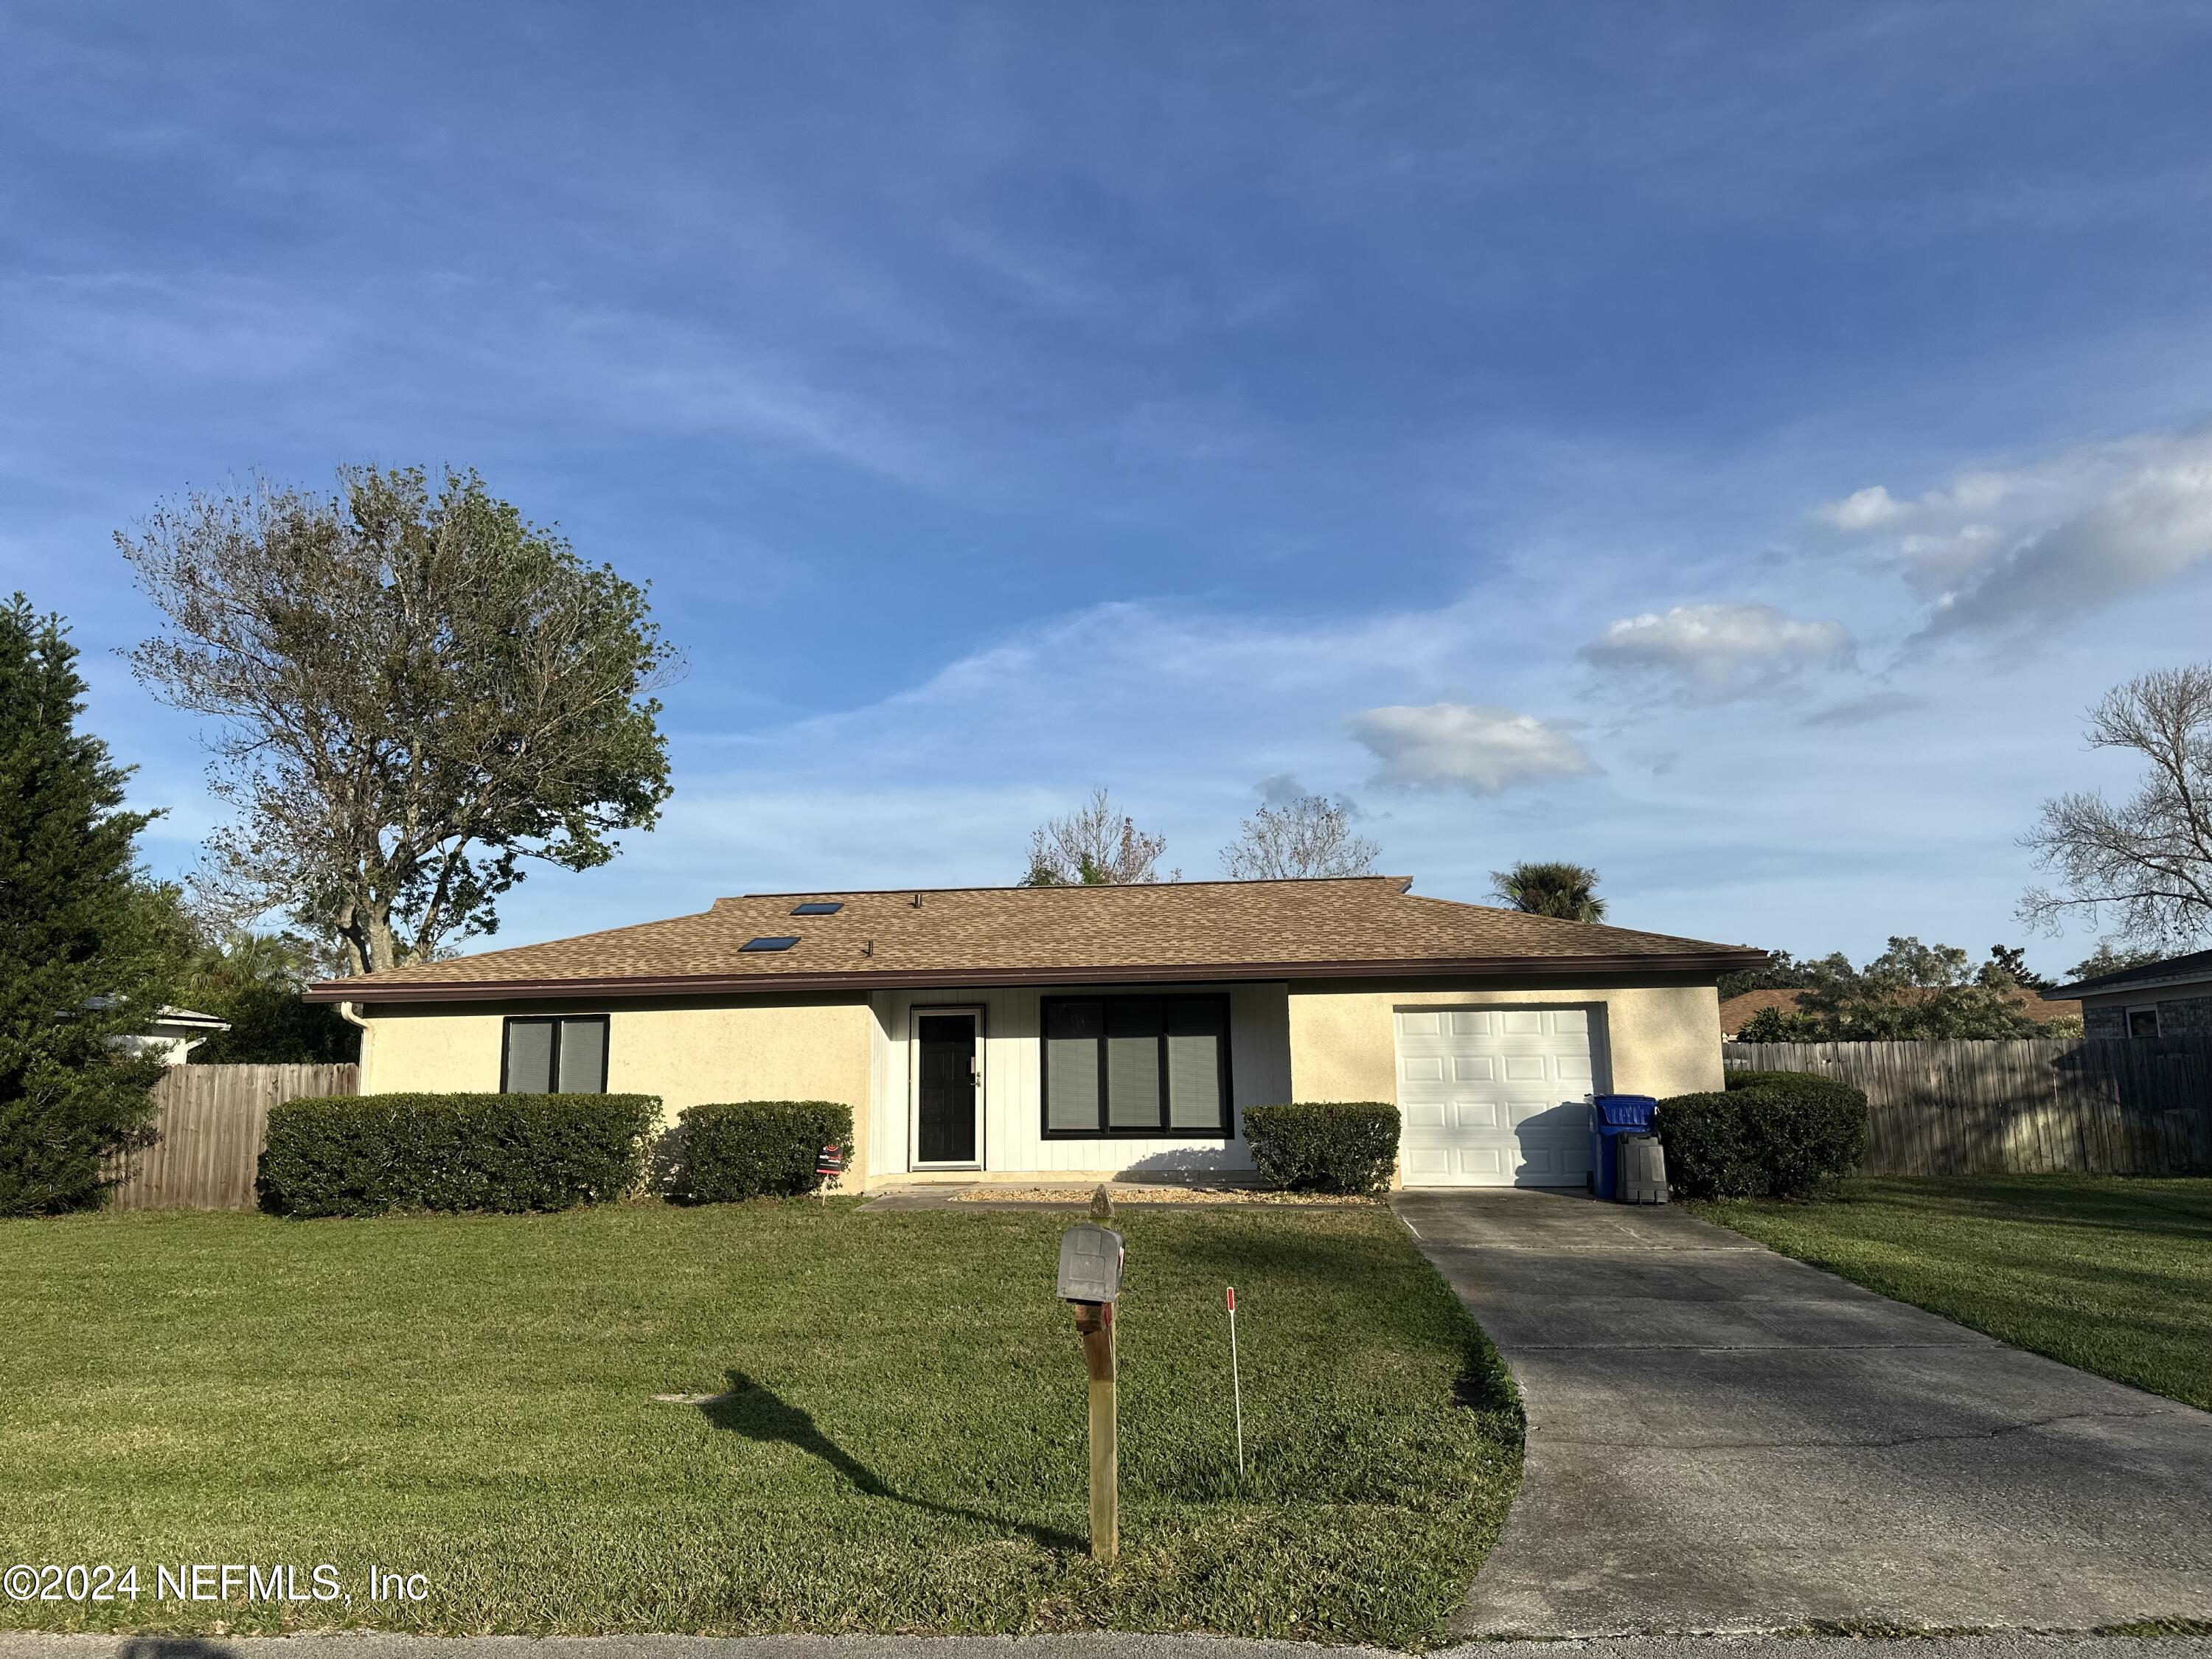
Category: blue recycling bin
[1610,1118]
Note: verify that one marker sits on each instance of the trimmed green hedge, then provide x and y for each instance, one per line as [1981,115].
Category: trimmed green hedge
[1771,1134]
[740,1149]
[1324,1147]
[368,1154]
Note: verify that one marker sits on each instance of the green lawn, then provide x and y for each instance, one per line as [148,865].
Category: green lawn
[467,1398]
[2111,1274]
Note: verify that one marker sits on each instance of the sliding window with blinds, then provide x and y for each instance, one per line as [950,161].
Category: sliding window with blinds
[1136,1066]
[543,1056]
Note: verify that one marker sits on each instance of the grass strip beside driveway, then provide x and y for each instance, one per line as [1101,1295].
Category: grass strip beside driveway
[2107,1273]
[900,1448]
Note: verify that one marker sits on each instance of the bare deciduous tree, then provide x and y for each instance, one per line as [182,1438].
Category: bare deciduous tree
[1097,844]
[2147,861]
[417,690]
[1303,839]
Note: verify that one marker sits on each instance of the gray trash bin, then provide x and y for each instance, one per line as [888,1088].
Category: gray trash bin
[1642,1176]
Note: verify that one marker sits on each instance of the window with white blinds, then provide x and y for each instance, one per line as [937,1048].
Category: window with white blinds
[566,1056]
[1136,1066]
[1073,1089]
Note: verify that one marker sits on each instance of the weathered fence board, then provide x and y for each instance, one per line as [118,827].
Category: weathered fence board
[2031,1106]
[213,1121]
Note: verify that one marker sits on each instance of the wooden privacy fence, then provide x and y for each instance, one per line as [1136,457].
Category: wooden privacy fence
[213,1121]
[2139,1106]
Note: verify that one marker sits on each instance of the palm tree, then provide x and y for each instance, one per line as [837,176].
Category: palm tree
[1568,891]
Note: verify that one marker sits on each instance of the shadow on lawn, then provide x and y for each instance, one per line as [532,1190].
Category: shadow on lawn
[2179,1206]
[758,1412]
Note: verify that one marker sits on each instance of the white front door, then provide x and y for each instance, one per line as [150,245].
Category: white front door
[1494,1096]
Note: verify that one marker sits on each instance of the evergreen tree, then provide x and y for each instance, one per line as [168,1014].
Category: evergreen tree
[1782,972]
[253,982]
[1911,993]
[86,950]
[2110,958]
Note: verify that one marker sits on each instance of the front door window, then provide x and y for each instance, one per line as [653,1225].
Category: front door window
[946,1109]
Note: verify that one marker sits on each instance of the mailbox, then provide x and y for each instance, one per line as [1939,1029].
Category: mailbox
[1090,1264]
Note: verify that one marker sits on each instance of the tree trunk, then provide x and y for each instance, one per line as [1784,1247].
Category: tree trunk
[370,935]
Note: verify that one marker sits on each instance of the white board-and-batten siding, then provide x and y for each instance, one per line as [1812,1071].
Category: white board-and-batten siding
[1012,1107]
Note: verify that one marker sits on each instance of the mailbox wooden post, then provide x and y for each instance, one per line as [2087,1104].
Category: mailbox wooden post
[1091,1262]
[1095,1321]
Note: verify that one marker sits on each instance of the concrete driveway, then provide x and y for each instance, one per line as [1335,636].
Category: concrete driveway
[1067,1645]
[1724,1439]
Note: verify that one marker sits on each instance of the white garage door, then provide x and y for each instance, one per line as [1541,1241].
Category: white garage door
[1494,1096]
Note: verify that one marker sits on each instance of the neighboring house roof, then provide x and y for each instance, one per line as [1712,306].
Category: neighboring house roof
[2191,969]
[1737,1011]
[186,1018]
[1165,932]
[191,1019]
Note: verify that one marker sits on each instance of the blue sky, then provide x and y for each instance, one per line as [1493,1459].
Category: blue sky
[1728,445]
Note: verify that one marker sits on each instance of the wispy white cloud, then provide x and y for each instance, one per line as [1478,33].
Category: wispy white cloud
[1281,789]
[1263,335]
[1862,509]
[658,371]
[1480,748]
[1179,710]
[2154,527]
[1057,281]
[1200,430]
[1715,653]
[202,328]
[1863,711]
[2038,544]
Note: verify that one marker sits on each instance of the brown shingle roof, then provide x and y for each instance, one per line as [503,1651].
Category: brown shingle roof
[1736,1010]
[974,935]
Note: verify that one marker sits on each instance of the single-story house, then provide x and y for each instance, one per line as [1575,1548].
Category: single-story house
[170,1036]
[984,1034]
[2172,998]
[2044,1007]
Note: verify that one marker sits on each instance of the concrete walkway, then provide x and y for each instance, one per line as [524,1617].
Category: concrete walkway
[1724,1439]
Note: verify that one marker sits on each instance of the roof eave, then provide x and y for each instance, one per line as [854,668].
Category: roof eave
[1705,962]
[2117,984]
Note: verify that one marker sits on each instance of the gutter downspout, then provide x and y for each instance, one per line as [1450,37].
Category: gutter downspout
[351,1012]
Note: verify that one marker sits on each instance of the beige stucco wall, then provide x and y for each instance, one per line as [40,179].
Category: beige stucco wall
[1660,1039]
[690,1053]
[1012,1145]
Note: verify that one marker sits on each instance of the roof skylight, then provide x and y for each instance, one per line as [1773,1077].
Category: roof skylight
[819,907]
[771,942]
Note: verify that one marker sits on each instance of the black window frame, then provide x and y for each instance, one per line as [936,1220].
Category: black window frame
[1106,1131]
[553,1065]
